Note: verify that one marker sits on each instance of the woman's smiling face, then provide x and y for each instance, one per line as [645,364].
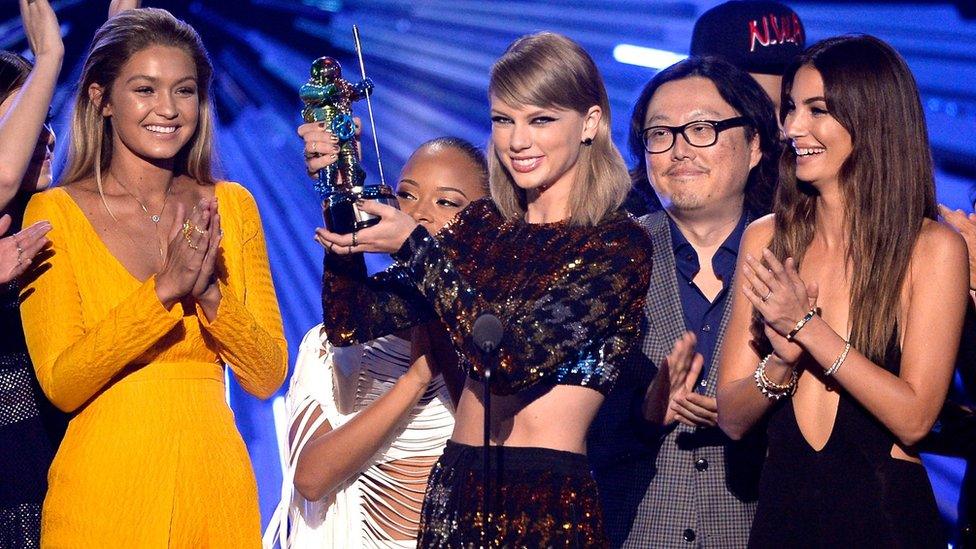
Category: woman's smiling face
[154,103]
[540,146]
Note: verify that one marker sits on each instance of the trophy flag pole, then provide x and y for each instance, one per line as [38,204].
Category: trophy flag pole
[369,103]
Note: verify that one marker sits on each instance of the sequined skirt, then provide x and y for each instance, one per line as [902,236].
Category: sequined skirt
[542,498]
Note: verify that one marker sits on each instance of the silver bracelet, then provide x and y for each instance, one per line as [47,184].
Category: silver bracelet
[840,360]
[772,390]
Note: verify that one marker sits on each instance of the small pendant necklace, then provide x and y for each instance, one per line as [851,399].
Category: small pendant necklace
[152,217]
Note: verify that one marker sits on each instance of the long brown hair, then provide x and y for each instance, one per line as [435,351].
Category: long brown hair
[886,183]
[121,37]
[550,70]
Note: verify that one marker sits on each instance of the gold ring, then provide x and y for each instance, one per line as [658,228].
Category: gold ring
[190,243]
[769,293]
[187,227]
[354,241]
[314,144]
[20,255]
[198,230]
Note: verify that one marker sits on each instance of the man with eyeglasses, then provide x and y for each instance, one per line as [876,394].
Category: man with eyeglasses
[706,140]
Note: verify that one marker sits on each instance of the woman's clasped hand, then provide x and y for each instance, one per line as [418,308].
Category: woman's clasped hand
[191,256]
[781,297]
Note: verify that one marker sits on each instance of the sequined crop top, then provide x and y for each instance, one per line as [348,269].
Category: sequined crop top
[570,297]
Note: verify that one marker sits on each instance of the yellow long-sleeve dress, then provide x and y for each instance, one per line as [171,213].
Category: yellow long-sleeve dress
[152,457]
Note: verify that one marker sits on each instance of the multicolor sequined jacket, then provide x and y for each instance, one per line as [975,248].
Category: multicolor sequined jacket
[570,297]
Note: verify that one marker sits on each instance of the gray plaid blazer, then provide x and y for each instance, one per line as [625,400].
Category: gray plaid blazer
[679,486]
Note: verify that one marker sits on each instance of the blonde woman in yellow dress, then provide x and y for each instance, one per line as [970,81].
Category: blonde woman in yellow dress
[149,290]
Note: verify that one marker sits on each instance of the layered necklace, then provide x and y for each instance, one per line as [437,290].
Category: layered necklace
[154,218]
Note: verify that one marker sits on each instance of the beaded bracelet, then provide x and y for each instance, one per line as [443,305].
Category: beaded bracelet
[840,360]
[772,390]
[801,323]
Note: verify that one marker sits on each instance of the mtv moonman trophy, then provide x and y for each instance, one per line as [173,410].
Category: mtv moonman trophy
[328,98]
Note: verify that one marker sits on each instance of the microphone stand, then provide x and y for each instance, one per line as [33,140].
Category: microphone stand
[487,332]
[489,359]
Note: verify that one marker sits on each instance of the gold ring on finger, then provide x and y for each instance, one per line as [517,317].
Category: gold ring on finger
[314,144]
[766,297]
[190,243]
[198,230]
[20,255]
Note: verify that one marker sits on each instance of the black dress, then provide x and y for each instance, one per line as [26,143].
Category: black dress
[30,430]
[851,493]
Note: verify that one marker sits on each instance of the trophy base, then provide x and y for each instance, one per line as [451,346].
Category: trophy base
[343,216]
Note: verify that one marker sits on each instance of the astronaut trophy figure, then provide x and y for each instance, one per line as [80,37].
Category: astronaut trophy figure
[328,98]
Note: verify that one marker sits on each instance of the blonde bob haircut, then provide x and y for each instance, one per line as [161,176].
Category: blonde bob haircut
[121,37]
[551,71]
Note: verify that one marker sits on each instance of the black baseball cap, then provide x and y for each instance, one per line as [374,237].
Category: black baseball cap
[758,36]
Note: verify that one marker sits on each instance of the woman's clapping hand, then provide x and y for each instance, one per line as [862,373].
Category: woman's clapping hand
[18,250]
[781,297]
[191,253]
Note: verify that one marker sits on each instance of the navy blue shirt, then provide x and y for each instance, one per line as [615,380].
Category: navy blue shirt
[704,317]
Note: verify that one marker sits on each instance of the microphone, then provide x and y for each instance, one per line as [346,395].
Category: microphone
[487,332]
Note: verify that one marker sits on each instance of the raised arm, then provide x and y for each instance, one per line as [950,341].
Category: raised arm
[20,127]
[590,312]
[358,308]
[116,7]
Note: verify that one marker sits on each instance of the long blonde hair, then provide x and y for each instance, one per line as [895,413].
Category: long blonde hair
[550,70]
[121,37]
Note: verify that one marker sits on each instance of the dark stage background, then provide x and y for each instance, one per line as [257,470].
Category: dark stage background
[430,61]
